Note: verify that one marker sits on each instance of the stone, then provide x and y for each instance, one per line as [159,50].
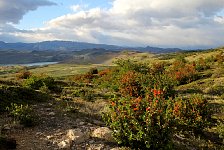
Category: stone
[81,123]
[97,122]
[6,127]
[51,114]
[49,137]
[77,136]
[66,144]
[103,133]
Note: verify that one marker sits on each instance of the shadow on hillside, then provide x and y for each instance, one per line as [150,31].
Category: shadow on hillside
[190,91]
[20,95]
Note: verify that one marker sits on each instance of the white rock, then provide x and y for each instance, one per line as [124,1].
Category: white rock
[66,144]
[49,137]
[81,123]
[103,133]
[77,135]
[51,114]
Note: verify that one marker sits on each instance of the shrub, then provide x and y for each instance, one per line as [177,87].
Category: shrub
[219,58]
[104,72]
[19,95]
[93,71]
[157,68]
[151,122]
[84,93]
[33,82]
[220,129]
[129,65]
[23,113]
[201,64]
[183,72]
[192,114]
[84,78]
[216,90]
[41,82]
[23,74]
[129,84]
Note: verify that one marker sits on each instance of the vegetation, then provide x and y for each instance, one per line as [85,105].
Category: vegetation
[172,101]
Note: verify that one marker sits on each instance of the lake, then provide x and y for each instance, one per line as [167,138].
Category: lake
[31,64]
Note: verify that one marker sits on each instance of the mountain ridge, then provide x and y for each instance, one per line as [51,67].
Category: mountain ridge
[77,46]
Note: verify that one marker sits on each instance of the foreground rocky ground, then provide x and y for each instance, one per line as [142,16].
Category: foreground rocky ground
[58,129]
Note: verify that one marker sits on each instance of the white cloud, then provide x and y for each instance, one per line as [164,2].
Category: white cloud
[75,8]
[165,23]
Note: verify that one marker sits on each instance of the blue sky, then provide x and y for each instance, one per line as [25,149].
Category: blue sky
[37,18]
[162,23]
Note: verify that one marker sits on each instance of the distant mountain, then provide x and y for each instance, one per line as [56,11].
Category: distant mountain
[76,46]
[55,45]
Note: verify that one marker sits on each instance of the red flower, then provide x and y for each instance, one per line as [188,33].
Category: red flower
[147,109]
[113,103]
[136,108]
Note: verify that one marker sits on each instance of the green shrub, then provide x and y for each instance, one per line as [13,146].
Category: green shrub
[33,82]
[192,114]
[220,129]
[216,90]
[93,71]
[84,93]
[36,82]
[19,95]
[201,64]
[23,113]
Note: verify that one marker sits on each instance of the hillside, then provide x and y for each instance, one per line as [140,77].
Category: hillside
[133,91]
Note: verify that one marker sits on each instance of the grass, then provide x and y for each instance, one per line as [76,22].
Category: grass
[65,70]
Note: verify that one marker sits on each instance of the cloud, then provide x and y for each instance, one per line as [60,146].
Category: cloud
[13,10]
[164,23]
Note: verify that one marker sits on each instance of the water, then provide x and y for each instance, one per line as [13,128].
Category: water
[31,64]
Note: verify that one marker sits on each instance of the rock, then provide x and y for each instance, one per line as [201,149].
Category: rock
[66,144]
[97,122]
[48,109]
[6,127]
[96,147]
[77,136]
[51,114]
[103,133]
[49,137]
[81,123]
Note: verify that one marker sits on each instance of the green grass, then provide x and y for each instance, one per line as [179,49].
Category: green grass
[64,70]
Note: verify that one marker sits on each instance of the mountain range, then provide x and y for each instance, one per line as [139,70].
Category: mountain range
[76,46]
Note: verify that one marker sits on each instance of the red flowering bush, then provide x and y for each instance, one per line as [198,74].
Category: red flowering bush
[83,78]
[183,72]
[129,84]
[147,114]
[151,122]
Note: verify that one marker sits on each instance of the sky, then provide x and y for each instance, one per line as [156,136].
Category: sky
[183,24]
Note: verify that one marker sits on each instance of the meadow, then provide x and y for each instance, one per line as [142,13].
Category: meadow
[149,101]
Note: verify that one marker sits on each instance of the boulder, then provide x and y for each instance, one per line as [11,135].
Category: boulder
[103,133]
[65,144]
[77,136]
